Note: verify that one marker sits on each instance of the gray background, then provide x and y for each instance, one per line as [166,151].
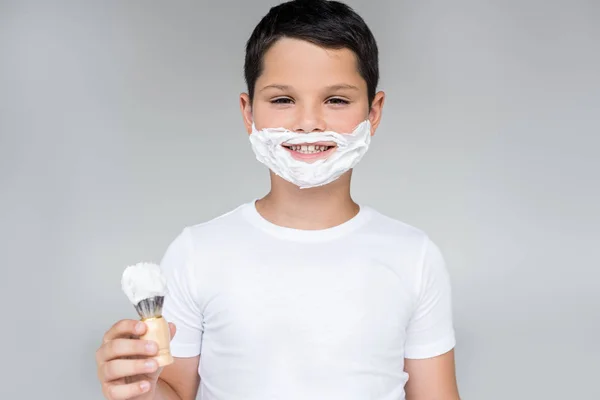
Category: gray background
[119,125]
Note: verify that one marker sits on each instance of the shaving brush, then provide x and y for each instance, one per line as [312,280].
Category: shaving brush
[145,286]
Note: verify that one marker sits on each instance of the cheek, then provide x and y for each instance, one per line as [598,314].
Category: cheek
[266,116]
[346,119]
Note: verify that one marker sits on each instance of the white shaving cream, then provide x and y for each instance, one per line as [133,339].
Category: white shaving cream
[142,281]
[350,148]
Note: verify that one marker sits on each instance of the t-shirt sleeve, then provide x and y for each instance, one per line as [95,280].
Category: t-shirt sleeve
[430,331]
[181,304]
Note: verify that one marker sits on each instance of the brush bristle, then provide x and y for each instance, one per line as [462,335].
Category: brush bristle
[151,307]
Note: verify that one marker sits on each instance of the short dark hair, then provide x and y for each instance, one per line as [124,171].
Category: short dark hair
[329,24]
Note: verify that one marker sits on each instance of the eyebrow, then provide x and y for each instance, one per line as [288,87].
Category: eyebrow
[331,87]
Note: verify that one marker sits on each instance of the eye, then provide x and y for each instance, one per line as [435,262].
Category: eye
[338,101]
[281,100]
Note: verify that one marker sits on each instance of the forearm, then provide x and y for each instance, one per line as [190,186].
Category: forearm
[164,391]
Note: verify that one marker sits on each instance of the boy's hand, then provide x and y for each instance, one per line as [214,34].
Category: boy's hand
[125,367]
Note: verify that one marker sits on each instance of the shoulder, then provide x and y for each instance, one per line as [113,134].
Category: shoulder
[409,249]
[396,232]
[218,226]
[211,233]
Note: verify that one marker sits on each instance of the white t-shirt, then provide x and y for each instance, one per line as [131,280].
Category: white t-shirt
[280,313]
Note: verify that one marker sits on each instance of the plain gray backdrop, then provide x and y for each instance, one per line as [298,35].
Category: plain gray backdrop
[120,125]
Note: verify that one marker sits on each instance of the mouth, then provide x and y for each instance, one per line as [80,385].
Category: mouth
[310,151]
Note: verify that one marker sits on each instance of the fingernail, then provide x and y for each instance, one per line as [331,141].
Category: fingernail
[139,327]
[144,386]
[150,365]
[151,347]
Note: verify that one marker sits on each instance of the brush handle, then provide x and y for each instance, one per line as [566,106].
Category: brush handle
[158,331]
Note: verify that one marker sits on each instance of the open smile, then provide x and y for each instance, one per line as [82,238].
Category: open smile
[310,151]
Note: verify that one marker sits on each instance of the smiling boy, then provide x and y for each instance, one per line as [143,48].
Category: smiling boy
[302,294]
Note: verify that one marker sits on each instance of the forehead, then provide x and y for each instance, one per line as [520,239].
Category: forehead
[298,62]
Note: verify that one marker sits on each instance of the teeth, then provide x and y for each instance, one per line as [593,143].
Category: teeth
[308,149]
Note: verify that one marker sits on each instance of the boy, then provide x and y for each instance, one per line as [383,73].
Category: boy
[303,294]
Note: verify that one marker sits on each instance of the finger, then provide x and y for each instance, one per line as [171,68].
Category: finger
[124,328]
[117,369]
[128,391]
[120,348]
[172,329]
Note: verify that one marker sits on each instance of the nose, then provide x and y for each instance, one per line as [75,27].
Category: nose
[309,119]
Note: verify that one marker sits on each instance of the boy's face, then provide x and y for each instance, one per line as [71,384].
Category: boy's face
[306,88]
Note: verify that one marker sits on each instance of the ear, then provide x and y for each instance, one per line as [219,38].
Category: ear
[246,109]
[376,110]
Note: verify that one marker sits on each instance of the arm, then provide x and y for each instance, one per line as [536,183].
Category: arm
[432,378]
[430,341]
[179,381]
[123,377]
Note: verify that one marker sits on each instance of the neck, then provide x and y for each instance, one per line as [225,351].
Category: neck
[308,209]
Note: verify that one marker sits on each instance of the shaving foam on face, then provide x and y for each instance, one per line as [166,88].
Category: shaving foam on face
[143,281]
[350,148]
